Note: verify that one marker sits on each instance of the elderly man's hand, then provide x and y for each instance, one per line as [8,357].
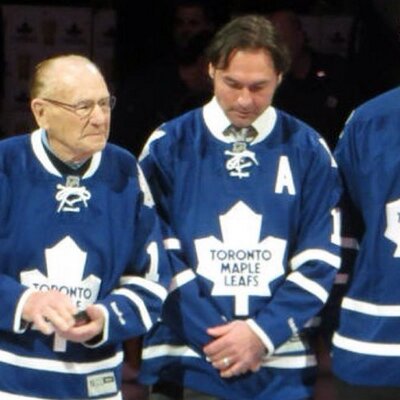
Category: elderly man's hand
[49,311]
[84,332]
[235,350]
[53,312]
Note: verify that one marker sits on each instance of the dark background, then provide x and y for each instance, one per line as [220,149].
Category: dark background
[143,33]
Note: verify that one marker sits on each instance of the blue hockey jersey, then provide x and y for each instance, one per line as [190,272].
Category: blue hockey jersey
[95,238]
[366,346]
[253,228]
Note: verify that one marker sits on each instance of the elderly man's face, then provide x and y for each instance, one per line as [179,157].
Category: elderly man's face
[77,114]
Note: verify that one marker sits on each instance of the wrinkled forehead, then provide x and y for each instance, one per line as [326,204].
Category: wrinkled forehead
[74,68]
[78,78]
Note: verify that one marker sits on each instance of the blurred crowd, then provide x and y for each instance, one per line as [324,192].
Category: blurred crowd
[161,70]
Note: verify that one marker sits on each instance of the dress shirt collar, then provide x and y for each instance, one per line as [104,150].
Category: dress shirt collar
[217,122]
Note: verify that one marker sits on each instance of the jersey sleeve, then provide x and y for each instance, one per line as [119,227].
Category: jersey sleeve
[351,230]
[186,293]
[349,156]
[11,290]
[314,259]
[135,305]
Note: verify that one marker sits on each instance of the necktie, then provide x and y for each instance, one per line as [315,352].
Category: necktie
[247,134]
[241,158]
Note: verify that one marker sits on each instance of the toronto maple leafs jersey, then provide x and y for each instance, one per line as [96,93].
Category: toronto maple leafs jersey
[366,346]
[93,237]
[254,229]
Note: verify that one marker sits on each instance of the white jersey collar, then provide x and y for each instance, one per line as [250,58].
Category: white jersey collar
[41,155]
[217,122]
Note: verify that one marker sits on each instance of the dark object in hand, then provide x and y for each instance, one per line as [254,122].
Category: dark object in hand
[81,318]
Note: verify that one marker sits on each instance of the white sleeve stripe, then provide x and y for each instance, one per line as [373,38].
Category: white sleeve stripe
[172,244]
[18,326]
[290,362]
[105,333]
[326,147]
[144,187]
[147,284]
[139,304]
[371,308]
[106,322]
[315,255]
[262,335]
[154,136]
[182,279]
[309,285]
[163,350]
[364,347]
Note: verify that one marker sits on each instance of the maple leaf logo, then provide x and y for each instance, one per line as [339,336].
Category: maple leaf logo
[241,265]
[65,263]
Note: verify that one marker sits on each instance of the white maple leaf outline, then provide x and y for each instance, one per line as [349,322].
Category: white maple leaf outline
[65,264]
[240,228]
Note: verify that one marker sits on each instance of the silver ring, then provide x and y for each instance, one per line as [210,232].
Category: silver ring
[226,361]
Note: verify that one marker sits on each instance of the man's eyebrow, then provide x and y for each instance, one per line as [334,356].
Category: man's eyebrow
[256,83]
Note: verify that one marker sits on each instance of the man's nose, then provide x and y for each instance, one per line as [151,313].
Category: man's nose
[244,98]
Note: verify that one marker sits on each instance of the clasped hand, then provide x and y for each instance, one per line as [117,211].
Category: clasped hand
[235,350]
[53,312]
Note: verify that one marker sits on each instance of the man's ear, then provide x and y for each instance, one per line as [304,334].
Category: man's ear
[211,71]
[38,110]
[280,77]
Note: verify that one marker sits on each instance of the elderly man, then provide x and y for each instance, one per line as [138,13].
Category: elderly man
[81,257]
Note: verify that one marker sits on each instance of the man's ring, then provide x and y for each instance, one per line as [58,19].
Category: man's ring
[226,361]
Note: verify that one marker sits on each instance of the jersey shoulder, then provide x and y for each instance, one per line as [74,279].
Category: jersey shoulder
[381,106]
[297,133]
[176,135]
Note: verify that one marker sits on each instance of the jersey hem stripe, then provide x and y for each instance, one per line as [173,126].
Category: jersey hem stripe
[284,362]
[43,364]
[10,396]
